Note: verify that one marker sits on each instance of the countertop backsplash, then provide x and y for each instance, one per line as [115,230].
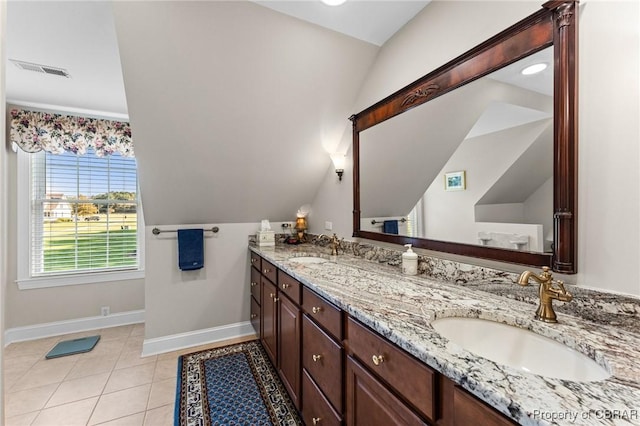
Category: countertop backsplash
[601,307]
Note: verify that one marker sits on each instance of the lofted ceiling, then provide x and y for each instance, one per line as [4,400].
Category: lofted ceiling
[234,106]
[80,36]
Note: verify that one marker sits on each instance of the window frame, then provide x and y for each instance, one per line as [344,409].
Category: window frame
[25,280]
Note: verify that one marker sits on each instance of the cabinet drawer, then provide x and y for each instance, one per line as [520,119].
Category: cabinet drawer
[394,366]
[255,315]
[289,286]
[322,358]
[269,271]
[316,410]
[323,312]
[468,410]
[370,403]
[255,284]
[255,261]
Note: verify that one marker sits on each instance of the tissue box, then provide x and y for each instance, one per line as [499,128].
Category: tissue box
[266,238]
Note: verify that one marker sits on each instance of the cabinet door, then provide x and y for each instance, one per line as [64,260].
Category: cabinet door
[269,320]
[369,403]
[255,316]
[289,346]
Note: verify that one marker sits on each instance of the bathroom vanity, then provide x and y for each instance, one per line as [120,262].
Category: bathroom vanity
[352,340]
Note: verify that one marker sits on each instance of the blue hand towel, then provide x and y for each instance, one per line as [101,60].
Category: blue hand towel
[190,249]
[390,227]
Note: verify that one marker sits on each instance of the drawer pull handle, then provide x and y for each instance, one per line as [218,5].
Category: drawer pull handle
[254,260]
[254,284]
[272,295]
[316,358]
[285,286]
[316,420]
[316,309]
[377,359]
[253,316]
[266,271]
[275,299]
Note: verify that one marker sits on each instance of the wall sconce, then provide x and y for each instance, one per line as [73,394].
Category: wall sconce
[338,162]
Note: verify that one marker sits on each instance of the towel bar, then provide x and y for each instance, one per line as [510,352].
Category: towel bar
[403,220]
[157,231]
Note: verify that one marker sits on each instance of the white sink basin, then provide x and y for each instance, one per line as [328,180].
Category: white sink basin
[308,259]
[520,349]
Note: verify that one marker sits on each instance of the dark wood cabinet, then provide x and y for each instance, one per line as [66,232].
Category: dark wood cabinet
[254,287]
[328,316]
[255,284]
[361,380]
[289,346]
[255,316]
[393,366]
[370,403]
[467,409]
[316,410]
[269,314]
[322,359]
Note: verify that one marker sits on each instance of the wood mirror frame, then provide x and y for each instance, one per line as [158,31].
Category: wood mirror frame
[555,24]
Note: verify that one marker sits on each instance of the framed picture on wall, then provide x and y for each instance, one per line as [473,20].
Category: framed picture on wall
[455,181]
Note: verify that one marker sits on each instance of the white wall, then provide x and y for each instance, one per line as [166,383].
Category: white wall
[609,166]
[3,196]
[609,157]
[238,101]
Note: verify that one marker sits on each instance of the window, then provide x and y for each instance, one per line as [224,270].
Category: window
[83,216]
[84,213]
[79,212]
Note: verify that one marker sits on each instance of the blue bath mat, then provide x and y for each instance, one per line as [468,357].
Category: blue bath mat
[71,347]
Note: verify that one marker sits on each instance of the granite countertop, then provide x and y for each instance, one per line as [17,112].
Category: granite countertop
[401,309]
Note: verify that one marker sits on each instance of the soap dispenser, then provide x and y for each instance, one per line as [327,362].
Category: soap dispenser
[409,261]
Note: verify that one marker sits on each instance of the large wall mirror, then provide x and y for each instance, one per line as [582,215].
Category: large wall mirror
[478,158]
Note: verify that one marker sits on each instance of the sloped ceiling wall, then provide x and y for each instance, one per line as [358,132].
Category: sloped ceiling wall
[233,107]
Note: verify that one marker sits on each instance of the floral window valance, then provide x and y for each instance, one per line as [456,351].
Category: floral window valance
[36,131]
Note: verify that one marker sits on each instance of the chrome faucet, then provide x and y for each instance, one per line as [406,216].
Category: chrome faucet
[547,292]
[334,243]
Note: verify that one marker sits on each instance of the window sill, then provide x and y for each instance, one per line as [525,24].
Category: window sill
[78,279]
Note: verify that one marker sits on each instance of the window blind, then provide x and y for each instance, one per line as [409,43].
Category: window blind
[83,213]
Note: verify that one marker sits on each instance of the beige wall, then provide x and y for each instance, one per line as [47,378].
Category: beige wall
[609,158]
[39,306]
[216,295]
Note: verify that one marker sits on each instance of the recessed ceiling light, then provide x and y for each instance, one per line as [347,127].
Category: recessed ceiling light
[533,69]
[333,2]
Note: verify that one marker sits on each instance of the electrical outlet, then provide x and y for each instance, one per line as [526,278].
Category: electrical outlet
[105,310]
[328,226]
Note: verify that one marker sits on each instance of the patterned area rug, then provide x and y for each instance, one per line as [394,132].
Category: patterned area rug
[233,385]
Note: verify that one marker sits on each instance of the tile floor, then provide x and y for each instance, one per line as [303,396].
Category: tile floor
[111,385]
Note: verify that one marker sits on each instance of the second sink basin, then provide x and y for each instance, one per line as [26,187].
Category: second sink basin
[520,349]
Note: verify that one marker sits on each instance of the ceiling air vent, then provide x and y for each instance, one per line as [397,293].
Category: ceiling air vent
[43,69]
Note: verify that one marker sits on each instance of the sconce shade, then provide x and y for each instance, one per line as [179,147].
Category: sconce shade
[338,162]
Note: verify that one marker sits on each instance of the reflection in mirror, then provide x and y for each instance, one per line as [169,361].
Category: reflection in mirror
[411,159]
[498,131]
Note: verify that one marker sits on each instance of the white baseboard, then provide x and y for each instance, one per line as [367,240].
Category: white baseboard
[179,341]
[38,331]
